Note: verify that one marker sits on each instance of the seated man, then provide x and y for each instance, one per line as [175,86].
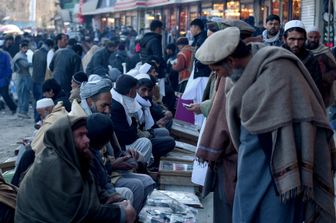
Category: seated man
[99,128]
[161,141]
[52,89]
[49,114]
[59,187]
[124,113]
[7,201]
[96,98]
[77,79]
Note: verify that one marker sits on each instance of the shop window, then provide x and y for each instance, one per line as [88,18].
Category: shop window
[246,11]
[296,9]
[276,7]
[232,10]
[183,22]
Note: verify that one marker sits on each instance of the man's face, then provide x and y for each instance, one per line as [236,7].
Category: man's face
[74,85]
[230,68]
[169,52]
[273,27]
[111,49]
[63,42]
[313,40]
[220,70]
[9,43]
[133,92]
[24,49]
[44,112]
[145,92]
[194,30]
[103,104]
[48,94]
[295,41]
[82,142]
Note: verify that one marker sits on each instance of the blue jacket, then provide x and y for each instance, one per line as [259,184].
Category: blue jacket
[5,69]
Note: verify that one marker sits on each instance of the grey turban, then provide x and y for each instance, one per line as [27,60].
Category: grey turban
[91,88]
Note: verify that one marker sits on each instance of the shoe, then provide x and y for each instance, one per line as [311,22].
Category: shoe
[24,116]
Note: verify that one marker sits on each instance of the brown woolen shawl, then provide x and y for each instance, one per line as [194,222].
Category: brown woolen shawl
[215,145]
[7,193]
[277,94]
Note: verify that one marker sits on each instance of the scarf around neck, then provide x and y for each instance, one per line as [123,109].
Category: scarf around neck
[131,106]
[147,116]
[270,40]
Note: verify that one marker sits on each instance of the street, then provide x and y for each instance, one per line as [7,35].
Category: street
[13,129]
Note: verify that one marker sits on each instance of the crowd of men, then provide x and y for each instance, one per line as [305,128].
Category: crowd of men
[103,119]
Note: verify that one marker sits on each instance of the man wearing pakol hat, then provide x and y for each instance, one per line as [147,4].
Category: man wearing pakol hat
[278,124]
[327,63]
[294,40]
[214,136]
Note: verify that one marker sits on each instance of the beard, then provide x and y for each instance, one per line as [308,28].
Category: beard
[85,159]
[312,45]
[273,32]
[94,109]
[236,74]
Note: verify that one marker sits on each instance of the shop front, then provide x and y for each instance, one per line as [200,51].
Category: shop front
[286,9]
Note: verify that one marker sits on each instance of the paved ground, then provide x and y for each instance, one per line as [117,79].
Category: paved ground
[12,130]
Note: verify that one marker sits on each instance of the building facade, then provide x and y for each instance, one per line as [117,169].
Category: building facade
[177,14]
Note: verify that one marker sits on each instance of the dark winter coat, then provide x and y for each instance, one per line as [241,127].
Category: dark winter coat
[39,64]
[64,65]
[99,60]
[200,70]
[150,46]
[126,134]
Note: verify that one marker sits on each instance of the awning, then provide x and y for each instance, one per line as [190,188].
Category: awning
[100,11]
[89,7]
[129,5]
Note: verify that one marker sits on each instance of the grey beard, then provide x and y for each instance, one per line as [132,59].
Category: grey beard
[236,74]
[93,109]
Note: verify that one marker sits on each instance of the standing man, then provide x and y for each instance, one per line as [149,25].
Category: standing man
[5,78]
[65,64]
[39,72]
[100,59]
[272,34]
[151,42]
[294,40]
[23,80]
[325,59]
[277,122]
[200,72]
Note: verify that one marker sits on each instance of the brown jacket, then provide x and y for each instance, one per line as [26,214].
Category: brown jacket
[184,62]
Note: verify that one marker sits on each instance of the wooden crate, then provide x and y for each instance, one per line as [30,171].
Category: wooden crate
[175,173]
[185,132]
